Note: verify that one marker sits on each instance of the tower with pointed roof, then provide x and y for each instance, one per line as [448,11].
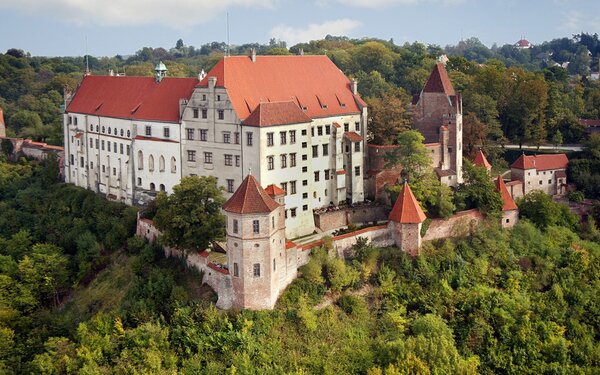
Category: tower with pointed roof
[406,220]
[481,161]
[510,211]
[438,116]
[259,265]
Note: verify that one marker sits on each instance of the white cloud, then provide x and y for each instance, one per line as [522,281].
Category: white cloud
[576,22]
[377,4]
[293,35]
[177,14]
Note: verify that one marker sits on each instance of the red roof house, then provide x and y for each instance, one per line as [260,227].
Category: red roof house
[407,210]
[138,98]
[508,202]
[541,162]
[250,198]
[314,83]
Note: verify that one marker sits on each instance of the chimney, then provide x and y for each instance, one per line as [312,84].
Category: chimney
[212,82]
[354,86]
[253,54]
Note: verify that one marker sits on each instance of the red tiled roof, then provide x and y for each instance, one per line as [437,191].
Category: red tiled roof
[523,43]
[585,122]
[277,113]
[313,82]
[274,190]
[561,174]
[508,202]
[290,244]
[406,209]
[439,81]
[337,125]
[542,162]
[139,98]
[353,136]
[250,198]
[523,162]
[481,160]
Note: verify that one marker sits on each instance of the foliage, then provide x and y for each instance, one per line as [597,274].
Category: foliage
[477,190]
[411,155]
[539,207]
[388,117]
[191,217]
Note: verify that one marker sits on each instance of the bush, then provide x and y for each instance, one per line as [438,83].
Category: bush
[576,196]
[352,305]
[339,275]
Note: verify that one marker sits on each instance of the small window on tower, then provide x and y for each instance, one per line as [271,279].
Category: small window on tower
[256,270]
[255,226]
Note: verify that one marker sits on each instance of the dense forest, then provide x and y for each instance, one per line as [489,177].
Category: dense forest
[531,95]
[80,294]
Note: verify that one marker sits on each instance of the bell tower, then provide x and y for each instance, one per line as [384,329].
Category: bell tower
[160,71]
[256,246]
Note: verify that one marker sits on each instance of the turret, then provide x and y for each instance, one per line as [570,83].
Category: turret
[160,71]
[405,221]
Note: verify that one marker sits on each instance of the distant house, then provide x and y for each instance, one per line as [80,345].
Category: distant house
[591,126]
[540,172]
[523,44]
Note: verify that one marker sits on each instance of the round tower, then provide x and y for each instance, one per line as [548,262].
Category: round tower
[256,246]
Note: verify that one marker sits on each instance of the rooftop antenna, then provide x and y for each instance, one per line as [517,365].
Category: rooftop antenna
[87,59]
[228,45]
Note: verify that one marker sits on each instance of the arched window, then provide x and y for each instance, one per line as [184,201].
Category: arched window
[97,128]
[128,133]
[161,164]
[152,186]
[103,130]
[139,180]
[140,160]
[173,165]
[162,187]
[109,130]
[121,132]
[151,163]
[91,128]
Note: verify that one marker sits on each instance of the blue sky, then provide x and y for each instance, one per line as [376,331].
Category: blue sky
[60,27]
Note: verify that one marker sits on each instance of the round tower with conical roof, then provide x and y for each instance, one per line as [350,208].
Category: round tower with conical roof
[405,221]
[259,265]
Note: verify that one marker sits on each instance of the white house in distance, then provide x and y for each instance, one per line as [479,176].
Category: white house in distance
[122,134]
[293,121]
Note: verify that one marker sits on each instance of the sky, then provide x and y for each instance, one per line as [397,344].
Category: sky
[111,27]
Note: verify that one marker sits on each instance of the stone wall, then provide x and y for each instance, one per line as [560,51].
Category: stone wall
[326,221]
[213,275]
[455,226]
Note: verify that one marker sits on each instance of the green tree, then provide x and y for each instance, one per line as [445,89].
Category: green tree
[410,154]
[191,217]
[557,139]
[477,190]
[539,207]
[388,117]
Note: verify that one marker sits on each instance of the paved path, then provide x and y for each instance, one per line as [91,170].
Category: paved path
[546,147]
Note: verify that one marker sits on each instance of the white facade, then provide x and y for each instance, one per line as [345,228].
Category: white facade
[115,157]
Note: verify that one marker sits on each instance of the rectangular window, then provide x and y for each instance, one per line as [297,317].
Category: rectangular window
[235,226]
[293,159]
[292,187]
[208,158]
[236,138]
[91,143]
[292,136]
[108,144]
[204,113]
[121,148]
[218,98]
[191,155]
[221,114]
[270,163]
[203,134]
[237,160]
[91,165]
[195,112]
[283,161]
[293,212]
[270,141]
[97,143]
[312,131]
[128,150]
[319,130]
[304,144]
[255,226]
[304,157]
[190,134]
[274,265]
[148,131]
[228,159]
[357,147]
[357,171]
[229,185]
[115,147]
[326,172]
[283,137]
[114,171]
[81,162]
[249,139]
[226,137]
[304,182]
[102,145]
[346,127]
[236,270]
[166,132]
[75,119]
[357,126]
[303,132]
[304,195]
[326,149]
[327,129]
[256,270]
[304,169]
[305,207]
[104,170]
[317,176]
[315,151]
[284,187]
